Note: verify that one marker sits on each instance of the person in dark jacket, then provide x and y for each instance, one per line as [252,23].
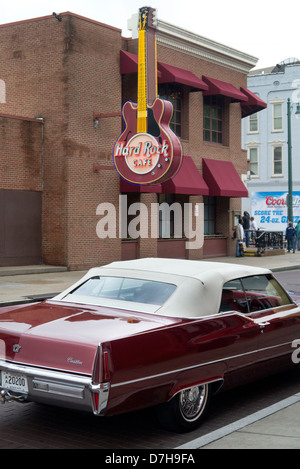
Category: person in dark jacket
[290,233]
[246,226]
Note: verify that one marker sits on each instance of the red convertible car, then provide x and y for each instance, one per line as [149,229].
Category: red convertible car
[148,332]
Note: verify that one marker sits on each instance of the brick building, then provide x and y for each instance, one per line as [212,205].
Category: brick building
[62,85]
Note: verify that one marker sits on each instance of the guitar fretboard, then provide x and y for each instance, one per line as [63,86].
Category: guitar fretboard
[147,68]
[142,84]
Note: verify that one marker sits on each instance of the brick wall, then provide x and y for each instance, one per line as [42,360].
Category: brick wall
[21,154]
[65,71]
[33,58]
[94,86]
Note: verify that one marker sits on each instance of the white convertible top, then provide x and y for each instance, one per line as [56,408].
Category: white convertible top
[199,283]
[187,268]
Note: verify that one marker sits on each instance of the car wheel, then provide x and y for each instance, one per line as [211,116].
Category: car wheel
[186,410]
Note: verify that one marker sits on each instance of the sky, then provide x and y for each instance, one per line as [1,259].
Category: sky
[265,29]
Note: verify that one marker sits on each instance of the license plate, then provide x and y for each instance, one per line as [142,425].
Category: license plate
[14,381]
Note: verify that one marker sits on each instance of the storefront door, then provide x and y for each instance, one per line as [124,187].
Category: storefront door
[20,227]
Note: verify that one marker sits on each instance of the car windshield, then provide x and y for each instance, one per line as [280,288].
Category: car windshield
[128,289]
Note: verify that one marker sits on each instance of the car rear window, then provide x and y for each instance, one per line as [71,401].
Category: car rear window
[128,289]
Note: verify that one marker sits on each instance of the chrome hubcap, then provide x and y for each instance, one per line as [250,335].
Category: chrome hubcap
[192,402]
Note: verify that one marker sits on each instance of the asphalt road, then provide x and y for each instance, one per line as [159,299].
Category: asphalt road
[34,426]
[290,279]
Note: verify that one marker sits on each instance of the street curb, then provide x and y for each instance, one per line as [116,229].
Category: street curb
[286,268]
[28,270]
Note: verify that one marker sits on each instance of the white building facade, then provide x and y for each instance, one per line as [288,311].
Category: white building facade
[265,138]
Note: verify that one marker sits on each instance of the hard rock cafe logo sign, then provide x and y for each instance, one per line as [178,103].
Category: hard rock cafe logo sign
[142,153]
[147,151]
[143,160]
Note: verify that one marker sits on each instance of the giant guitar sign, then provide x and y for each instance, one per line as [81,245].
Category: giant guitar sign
[147,151]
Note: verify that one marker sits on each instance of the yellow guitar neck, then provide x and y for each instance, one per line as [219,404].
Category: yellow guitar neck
[147,71]
[142,84]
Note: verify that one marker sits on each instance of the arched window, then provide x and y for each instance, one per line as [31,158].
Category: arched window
[2,92]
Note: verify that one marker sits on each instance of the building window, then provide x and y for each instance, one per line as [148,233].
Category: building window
[277,117]
[173,93]
[209,215]
[277,161]
[253,123]
[213,119]
[171,215]
[253,158]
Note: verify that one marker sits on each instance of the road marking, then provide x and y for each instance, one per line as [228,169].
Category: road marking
[235,426]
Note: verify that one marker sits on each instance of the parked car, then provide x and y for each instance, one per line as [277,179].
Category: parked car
[148,332]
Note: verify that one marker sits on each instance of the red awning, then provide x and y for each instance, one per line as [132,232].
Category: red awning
[165,73]
[171,74]
[254,103]
[129,63]
[188,180]
[224,89]
[223,179]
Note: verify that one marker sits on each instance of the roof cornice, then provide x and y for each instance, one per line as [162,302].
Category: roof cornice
[191,43]
[174,37]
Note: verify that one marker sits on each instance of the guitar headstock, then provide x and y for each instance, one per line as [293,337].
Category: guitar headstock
[147,18]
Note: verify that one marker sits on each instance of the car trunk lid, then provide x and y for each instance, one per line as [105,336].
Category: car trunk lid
[65,336]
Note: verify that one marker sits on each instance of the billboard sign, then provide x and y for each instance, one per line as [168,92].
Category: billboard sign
[270,210]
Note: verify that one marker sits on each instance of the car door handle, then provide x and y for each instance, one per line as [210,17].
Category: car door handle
[262,325]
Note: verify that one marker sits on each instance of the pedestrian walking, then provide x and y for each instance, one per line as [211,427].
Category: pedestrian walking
[246,226]
[290,233]
[253,225]
[239,252]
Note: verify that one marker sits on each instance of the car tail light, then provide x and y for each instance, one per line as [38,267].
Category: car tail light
[95,401]
[100,381]
[101,372]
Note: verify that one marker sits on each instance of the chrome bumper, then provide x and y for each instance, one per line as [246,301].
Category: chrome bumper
[57,388]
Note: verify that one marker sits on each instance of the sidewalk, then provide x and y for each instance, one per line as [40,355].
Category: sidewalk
[24,284]
[279,262]
[275,427]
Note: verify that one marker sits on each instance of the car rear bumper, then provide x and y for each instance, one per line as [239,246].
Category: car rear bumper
[54,387]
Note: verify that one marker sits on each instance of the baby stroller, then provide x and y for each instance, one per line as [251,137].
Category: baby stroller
[260,242]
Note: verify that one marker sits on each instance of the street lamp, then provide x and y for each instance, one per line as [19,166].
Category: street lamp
[290,169]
